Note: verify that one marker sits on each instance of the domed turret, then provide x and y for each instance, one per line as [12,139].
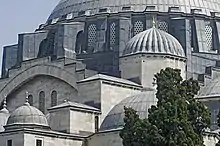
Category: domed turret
[140,103]
[148,52]
[27,116]
[154,41]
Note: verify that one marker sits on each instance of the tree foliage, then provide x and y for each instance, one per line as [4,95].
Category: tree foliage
[178,119]
[218,117]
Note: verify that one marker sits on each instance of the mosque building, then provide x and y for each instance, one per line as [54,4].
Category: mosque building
[66,83]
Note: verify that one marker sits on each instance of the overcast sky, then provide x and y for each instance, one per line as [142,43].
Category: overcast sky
[18,16]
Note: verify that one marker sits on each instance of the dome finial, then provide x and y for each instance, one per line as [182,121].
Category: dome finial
[4,109]
[26,101]
[5,103]
[154,22]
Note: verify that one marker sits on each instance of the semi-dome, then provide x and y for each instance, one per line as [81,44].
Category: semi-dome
[72,6]
[141,103]
[27,115]
[154,41]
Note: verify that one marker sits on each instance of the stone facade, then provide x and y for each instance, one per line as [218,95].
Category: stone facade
[81,65]
[85,117]
[39,84]
[30,137]
[104,94]
[141,68]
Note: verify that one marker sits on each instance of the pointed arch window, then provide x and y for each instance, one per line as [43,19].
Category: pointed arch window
[53,98]
[31,99]
[42,104]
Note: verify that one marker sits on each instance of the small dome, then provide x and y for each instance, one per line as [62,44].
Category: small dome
[27,115]
[141,103]
[154,41]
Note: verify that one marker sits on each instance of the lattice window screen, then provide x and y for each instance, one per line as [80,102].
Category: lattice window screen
[138,27]
[112,34]
[208,34]
[162,25]
[92,33]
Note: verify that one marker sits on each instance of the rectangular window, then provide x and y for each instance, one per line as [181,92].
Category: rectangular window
[39,142]
[9,143]
[96,123]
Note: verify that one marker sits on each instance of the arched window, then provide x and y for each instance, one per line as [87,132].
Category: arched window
[31,100]
[53,98]
[42,104]
[112,34]
[138,27]
[208,35]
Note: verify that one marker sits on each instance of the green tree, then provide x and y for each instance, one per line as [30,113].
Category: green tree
[218,116]
[177,119]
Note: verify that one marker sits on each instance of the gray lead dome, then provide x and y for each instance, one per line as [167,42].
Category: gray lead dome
[75,6]
[140,103]
[27,115]
[154,41]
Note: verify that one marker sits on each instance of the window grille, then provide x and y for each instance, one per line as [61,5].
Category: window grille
[39,142]
[138,27]
[208,34]
[112,34]
[92,34]
[162,25]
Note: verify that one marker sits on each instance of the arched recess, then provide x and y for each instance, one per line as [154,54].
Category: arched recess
[36,70]
[79,42]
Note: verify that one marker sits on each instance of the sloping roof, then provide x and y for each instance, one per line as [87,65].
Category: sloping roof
[75,105]
[110,78]
[210,90]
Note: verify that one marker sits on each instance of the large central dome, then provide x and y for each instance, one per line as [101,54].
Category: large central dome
[74,6]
